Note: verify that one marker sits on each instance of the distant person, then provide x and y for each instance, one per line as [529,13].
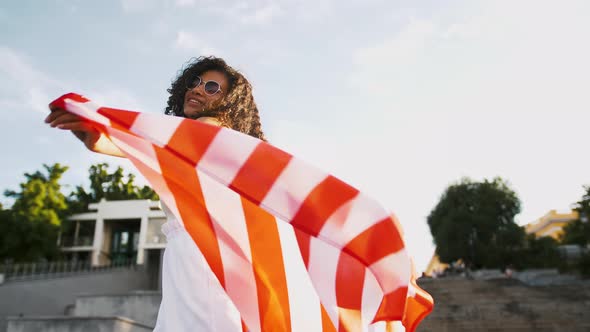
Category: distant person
[508,271]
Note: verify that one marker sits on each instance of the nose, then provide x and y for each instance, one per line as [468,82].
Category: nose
[198,89]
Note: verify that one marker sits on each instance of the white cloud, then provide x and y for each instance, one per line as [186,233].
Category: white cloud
[38,100]
[263,12]
[27,87]
[133,6]
[400,50]
[118,98]
[22,84]
[461,30]
[377,64]
[261,15]
[312,11]
[500,91]
[190,42]
[17,67]
[251,12]
[185,3]
[25,92]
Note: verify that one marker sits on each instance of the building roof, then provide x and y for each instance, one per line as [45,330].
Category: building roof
[124,209]
[551,223]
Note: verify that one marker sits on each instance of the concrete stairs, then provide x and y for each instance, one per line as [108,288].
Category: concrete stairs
[506,305]
[54,296]
[130,312]
[140,306]
[461,305]
[75,324]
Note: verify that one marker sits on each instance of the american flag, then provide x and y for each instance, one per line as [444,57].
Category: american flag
[295,248]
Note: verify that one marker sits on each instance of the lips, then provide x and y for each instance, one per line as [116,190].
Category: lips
[194,102]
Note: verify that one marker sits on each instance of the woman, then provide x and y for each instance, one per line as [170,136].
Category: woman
[206,90]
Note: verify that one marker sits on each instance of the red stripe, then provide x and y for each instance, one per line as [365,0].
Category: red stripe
[182,180]
[268,267]
[378,241]
[416,310]
[392,306]
[260,171]
[350,277]
[321,202]
[188,144]
[417,307]
[304,241]
[61,101]
[120,118]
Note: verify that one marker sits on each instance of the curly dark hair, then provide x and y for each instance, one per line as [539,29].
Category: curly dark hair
[236,110]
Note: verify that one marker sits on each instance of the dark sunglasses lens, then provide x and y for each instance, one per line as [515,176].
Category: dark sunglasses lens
[194,83]
[211,87]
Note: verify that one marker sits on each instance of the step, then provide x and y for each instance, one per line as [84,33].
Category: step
[140,306]
[74,324]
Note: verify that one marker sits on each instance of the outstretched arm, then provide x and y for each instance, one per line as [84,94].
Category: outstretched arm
[93,139]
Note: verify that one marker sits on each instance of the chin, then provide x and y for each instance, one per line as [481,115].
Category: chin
[191,114]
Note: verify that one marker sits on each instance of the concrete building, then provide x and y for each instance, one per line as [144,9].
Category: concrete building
[551,224]
[118,291]
[116,231]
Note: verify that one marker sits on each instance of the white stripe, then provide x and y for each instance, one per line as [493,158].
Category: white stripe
[138,150]
[322,267]
[411,290]
[155,127]
[136,147]
[227,214]
[304,304]
[393,271]
[226,154]
[395,326]
[291,188]
[372,296]
[378,327]
[398,327]
[87,110]
[351,219]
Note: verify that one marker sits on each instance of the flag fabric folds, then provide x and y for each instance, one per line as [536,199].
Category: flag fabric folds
[295,248]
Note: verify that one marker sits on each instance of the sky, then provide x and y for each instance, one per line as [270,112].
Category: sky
[398,98]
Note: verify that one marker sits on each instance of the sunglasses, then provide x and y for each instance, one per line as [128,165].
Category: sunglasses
[210,87]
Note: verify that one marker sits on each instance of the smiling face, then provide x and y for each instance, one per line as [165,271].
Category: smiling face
[196,100]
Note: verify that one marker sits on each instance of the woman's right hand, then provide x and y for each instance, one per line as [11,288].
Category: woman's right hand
[93,139]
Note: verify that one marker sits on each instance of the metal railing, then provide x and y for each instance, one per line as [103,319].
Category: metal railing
[49,270]
[80,241]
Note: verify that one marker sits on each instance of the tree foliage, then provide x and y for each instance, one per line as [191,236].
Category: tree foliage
[474,222]
[23,240]
[29,230]
[40,198]
[578,231]
[112,186]
[539,253]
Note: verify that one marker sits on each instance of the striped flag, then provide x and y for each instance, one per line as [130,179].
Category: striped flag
[295,249]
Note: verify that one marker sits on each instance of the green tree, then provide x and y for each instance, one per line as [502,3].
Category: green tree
[29,229]
[474,222]
[40,198]
[578,231]
[109,185]
[539,253]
